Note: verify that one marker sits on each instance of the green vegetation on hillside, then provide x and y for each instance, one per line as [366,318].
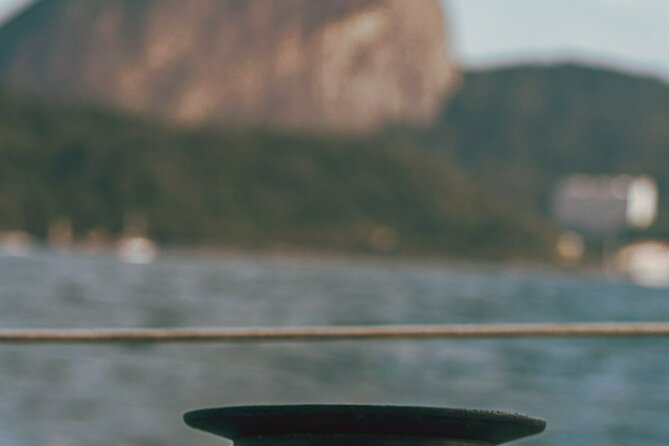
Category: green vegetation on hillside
[514,131]
[524,127]
[246,189]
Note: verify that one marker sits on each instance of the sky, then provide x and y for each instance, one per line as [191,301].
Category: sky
[628,34]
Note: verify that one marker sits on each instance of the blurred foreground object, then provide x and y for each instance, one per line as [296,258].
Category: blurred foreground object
[314,425]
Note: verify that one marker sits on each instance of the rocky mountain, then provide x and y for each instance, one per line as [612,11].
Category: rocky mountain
[335,65]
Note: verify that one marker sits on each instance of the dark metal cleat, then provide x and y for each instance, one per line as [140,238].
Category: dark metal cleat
[344,425]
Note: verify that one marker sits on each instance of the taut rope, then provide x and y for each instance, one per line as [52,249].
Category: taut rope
[332,333]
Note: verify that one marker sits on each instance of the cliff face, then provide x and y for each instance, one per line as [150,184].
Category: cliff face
[343,65]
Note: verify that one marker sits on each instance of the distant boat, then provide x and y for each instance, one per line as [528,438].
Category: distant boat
[646,263]
[16,244]
[137,250]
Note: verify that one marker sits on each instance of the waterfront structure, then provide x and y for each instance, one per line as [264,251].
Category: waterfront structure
[645,263]
[604,205]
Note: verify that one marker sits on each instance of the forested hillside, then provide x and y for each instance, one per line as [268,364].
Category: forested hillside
[252,189]
[470,186]
[521,128]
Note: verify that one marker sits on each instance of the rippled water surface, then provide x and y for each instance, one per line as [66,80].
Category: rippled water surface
[592,392]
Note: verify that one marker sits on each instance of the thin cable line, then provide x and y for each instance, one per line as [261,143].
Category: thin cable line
[333,333]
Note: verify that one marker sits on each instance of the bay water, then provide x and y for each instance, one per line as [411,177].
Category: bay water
[591,391]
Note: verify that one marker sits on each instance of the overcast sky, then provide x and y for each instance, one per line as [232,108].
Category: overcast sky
[631,34]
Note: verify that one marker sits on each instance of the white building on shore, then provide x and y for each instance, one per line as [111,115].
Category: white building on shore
[602,205]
